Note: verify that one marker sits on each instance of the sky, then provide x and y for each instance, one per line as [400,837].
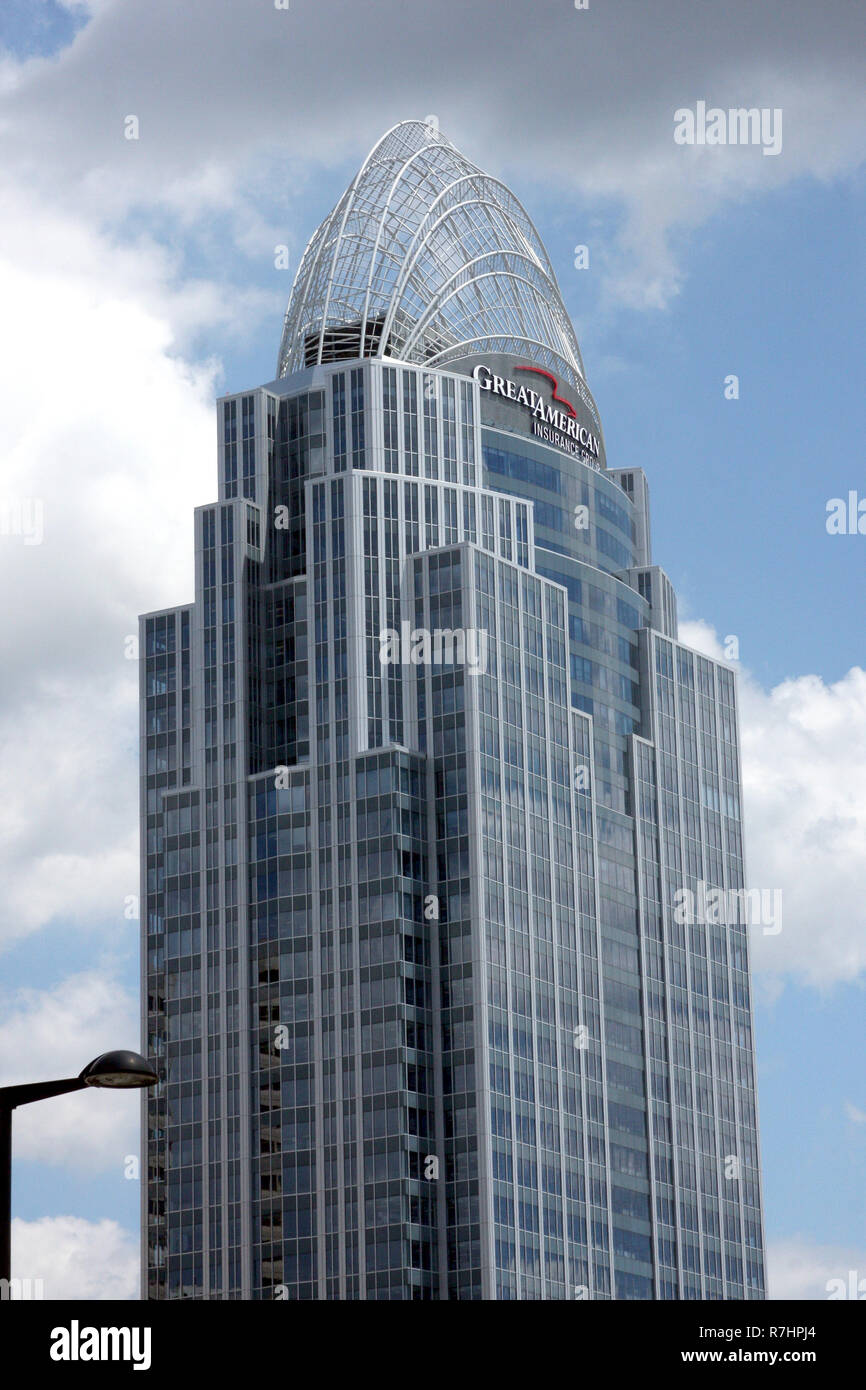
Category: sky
[138,280]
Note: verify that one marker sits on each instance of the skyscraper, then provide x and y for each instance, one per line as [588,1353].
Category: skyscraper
[426,779]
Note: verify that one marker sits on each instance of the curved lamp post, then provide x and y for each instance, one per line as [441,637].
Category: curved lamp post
[114,1070]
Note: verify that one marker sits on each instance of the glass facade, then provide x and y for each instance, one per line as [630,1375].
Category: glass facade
[424,772]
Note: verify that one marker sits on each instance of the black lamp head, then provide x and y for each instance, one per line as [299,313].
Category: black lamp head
[120,1070]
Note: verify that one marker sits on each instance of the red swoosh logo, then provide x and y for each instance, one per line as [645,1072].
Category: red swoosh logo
[552,379]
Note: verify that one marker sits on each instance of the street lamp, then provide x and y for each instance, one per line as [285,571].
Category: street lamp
[115,1070]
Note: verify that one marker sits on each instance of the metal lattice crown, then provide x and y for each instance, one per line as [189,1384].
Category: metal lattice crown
[426,259]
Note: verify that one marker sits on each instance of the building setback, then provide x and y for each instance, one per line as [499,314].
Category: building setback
[427,1019]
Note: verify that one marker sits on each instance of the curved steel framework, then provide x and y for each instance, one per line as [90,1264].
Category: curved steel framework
[426,259]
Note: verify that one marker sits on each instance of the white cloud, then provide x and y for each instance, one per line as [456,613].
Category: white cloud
[76,1259]
[855,1115]
[800,1269]
[804,780]
[112,434]
[584,101]
[48,1034]
[702,637]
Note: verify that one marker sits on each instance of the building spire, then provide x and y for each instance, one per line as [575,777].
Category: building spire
[426,259]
